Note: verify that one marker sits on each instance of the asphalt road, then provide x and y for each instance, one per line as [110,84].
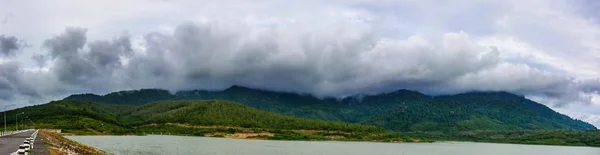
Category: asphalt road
[10,143]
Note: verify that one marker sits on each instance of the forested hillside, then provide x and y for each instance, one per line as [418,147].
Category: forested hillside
[229,119]
[111,118]
[71,115]
[517,110]
[435,116]
[401,110]
[218,112]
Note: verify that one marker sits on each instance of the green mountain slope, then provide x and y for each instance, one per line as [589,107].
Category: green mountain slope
[218,112]
[307,106]
[435,116]
[399,110]
[350,109]
[229,119]
[517,110]
[73,115]
[130,97]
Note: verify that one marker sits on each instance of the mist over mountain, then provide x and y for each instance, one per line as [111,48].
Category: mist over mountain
[401,110]
[543,50]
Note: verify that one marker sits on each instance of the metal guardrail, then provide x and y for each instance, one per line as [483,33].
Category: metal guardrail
[12,132]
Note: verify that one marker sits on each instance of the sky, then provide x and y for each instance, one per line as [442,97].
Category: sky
[546,50]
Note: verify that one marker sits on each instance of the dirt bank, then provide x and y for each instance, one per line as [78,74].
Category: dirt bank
[59,145]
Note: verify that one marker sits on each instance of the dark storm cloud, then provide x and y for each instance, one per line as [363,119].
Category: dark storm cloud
[335,49]
[39,59]
[64,49]
[323,63]
[106,54]
[13,81]
[87,67]
[6,89]
[9,45]
[153,68]
[590,85]
[68,44]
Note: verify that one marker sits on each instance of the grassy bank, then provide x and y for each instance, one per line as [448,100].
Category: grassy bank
[58,145]
[536,137]
[237,132]
[273,134]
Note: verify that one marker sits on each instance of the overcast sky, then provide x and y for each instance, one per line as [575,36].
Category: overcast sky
[547,50]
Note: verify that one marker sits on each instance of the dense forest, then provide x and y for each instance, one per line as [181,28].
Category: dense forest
[111,118]
[436,115]
[545,137]
[401,110]
[219,118]
[516,110]
[218,112]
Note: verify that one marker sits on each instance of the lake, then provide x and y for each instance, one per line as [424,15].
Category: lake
[159,145]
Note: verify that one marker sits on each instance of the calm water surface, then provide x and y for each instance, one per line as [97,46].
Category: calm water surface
[155,144]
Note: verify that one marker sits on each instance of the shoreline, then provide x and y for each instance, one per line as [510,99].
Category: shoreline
[58,144]
[523,137]
[349,141]
[439,142]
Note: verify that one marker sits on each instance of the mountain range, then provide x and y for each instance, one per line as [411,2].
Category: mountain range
[401,110]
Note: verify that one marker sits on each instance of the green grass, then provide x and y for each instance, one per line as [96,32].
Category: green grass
[539,137]
[82,116]
[217,112]
[225,117]
[278,134]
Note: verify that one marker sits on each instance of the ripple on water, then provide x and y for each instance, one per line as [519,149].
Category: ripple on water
[155,144]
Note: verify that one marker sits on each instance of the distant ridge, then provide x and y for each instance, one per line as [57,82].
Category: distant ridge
[401,110]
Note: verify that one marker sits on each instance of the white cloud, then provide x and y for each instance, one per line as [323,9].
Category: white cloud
[546,50]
